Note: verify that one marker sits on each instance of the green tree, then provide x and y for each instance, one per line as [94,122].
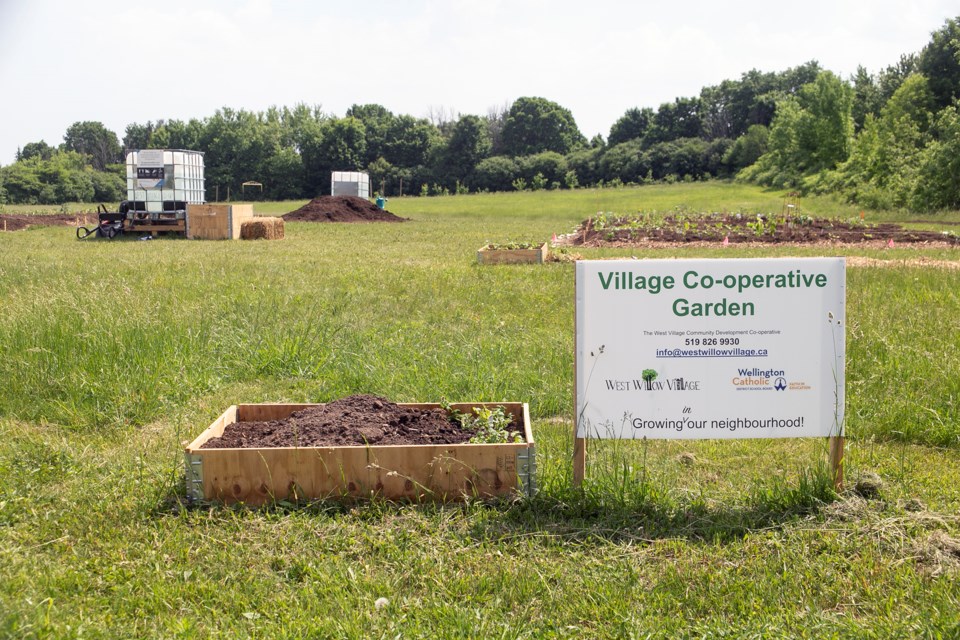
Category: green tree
[626,162]
[283,176]
[716,110]
[866,97]
[827,129]
[810,133]
[938,183]
[674,120]
[384,177]
[632,125]
[469,143]
[137,136]
[537,124]
[108,186]
[36,150]
[495,119]
[410,141]
[177,134]
[748,148]
[95,141]
[890,79]
[238,146]
[65,177]
[377,121]
[496,173]
[586,164]
[550,165]
[882,170]
[940,62]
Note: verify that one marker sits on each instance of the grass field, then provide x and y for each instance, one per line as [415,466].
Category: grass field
[114,353]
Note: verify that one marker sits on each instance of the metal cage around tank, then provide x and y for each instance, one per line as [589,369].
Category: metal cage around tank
[162,182]
[350,183]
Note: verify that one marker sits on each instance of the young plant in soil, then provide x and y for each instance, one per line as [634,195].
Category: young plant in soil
[489,426]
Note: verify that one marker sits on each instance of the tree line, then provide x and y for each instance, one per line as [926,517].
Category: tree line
[889,140]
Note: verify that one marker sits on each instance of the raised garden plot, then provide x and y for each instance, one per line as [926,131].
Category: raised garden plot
[513,253]
[683,228]
[361,446]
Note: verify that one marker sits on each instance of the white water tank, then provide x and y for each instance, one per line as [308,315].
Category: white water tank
[164,181]
[350,183]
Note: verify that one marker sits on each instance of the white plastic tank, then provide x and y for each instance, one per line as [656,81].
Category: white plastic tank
[162,182]
[350,183]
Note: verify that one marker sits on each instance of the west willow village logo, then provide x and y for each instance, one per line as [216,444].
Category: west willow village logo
[648,381]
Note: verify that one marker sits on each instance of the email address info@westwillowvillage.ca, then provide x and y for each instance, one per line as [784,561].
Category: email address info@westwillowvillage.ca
[712,352]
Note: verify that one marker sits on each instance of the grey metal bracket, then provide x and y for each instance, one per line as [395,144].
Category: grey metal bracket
[527,471]
[194,478]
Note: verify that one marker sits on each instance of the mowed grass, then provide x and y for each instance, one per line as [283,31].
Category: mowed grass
[113,353]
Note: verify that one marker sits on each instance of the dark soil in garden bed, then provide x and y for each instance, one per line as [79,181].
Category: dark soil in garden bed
[18,222]
[355,420]
[745,228]
[341,209]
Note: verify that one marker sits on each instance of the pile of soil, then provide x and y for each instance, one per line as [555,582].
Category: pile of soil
[341,209]
[745,228]
[18,222]
[355,420]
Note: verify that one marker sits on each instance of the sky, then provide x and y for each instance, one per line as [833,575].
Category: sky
[122,62]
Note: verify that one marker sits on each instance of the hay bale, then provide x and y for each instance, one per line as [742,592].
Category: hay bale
[265,228]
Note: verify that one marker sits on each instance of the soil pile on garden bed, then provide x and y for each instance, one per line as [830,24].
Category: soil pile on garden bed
[18,222]
[341,209]
[355,420]
[745,228]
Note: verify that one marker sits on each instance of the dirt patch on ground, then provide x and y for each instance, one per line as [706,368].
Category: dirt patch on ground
[19,222]
[341,209]
[355,420]
[709,229]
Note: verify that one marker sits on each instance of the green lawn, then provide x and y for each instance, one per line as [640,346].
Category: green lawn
[112,354]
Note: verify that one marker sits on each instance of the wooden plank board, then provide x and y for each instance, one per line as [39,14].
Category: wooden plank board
[537,255]
[434,472]
[177,226]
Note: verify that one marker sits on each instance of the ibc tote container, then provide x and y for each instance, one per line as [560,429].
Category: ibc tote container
[350,183]
[162,182]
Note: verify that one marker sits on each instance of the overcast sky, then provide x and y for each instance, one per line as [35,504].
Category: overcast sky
[122,61]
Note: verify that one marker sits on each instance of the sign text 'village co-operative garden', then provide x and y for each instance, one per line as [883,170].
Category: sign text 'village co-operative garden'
[684,349]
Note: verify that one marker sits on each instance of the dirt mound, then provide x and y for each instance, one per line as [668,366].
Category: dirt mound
[341,209]
[746,229]
[355,420]
[18,222]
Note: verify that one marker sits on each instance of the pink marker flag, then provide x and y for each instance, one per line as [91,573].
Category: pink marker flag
[726,240]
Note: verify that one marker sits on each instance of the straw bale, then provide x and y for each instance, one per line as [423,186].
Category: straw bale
[266,228]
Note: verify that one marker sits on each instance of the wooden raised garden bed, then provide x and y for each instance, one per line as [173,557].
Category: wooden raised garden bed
[513,253]
[445,472]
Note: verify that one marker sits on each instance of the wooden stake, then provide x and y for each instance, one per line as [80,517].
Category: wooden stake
[579,444]
[579,457]
[836,461]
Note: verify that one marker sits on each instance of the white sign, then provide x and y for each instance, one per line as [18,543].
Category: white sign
[150,173]
[689,349]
